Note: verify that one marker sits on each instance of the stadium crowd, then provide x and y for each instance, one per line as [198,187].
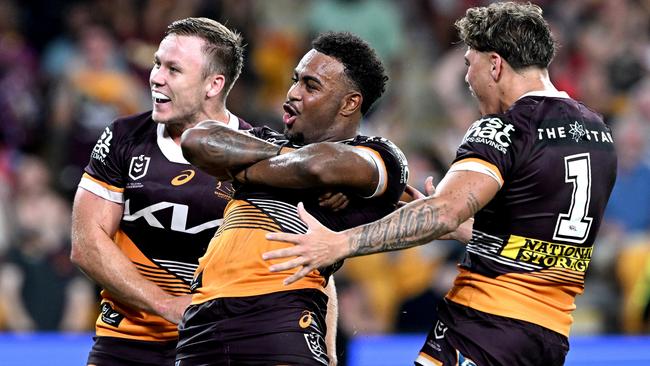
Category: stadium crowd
[68,68]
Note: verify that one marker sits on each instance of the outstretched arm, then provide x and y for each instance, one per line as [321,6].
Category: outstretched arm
[460,195]
[94,223]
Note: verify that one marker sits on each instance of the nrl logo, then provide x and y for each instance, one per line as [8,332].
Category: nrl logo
[139,166]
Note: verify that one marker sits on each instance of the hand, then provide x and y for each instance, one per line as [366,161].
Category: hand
[333,201]
[318,247]
[173,307]
[412,194]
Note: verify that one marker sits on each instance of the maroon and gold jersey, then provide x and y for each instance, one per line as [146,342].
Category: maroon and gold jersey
[233,265]
[171,211]
[555,162]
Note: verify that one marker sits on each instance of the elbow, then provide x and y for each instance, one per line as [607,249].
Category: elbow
[190,144]
[317,173]
[75,255]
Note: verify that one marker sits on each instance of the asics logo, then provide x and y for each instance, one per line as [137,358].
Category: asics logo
[184,177]
[305,319]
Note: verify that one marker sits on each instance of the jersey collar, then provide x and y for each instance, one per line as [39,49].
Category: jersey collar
[172,151]
[546,93]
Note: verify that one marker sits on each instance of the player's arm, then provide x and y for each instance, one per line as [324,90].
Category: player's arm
[95,221]
[323,164]
[220,151]
[459,196]
[331,320]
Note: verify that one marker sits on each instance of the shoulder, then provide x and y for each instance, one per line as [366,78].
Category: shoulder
[243,125]
[375,141]
[383,146]
[133,127]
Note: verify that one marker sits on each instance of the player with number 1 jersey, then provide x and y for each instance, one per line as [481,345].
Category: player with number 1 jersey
[556,173]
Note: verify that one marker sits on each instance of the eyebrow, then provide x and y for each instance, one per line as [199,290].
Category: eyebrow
[308,78]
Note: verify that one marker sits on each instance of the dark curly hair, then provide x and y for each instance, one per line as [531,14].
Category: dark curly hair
[517,32]
[362,65]
[223,46]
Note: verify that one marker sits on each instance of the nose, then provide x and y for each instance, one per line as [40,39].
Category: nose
[156,77]
[294,92]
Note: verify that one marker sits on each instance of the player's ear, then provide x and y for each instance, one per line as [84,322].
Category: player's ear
[351,103]
[215,85]
[496,62]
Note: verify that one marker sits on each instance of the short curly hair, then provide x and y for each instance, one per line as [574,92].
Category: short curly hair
[362,65]
[517,32]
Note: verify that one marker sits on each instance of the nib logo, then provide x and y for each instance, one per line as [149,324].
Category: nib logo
[139,166]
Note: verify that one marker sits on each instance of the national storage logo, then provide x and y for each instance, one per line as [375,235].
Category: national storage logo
[547,254]
[491,131]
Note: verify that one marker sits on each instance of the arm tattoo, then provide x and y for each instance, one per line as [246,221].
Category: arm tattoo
[472,204]
[413,225]
[228,148]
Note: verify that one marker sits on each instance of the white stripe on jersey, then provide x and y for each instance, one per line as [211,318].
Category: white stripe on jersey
[476,167]
[489,246]
[180,269]
[101,191]
[285,213]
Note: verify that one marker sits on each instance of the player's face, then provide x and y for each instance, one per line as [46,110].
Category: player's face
[178,86]
[479,79]
[314,99]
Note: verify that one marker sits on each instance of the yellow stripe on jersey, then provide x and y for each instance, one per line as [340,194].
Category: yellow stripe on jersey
[479,166]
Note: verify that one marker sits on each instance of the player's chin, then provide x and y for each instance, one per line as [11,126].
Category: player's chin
[293,136]
[159,116]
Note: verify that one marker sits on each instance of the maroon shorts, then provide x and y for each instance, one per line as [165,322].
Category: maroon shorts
[112,351]
[464,336]
[283,328]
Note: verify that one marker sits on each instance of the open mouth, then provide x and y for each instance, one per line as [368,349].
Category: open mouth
[290,114]
[159,98]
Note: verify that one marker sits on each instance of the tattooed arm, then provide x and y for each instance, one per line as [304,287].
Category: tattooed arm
[228,154]
[220,151]
[458,197]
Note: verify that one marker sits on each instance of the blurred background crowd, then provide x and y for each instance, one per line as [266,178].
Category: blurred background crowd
[68,68]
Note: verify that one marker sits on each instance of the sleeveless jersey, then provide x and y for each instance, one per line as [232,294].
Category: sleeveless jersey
[233,265]
[531,245]
[171,211]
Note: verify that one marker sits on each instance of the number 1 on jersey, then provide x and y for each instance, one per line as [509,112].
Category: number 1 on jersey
[574,226]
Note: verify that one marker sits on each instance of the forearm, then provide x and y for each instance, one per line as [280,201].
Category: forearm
[102,261]
[415,224]
[316,165]
[94,223]
[219,150]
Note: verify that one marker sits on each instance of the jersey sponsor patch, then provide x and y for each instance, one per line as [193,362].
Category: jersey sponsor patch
[103,146]
[548,254]
[110,316]
[490,131]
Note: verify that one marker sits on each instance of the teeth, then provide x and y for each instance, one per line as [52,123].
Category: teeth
[159,96]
